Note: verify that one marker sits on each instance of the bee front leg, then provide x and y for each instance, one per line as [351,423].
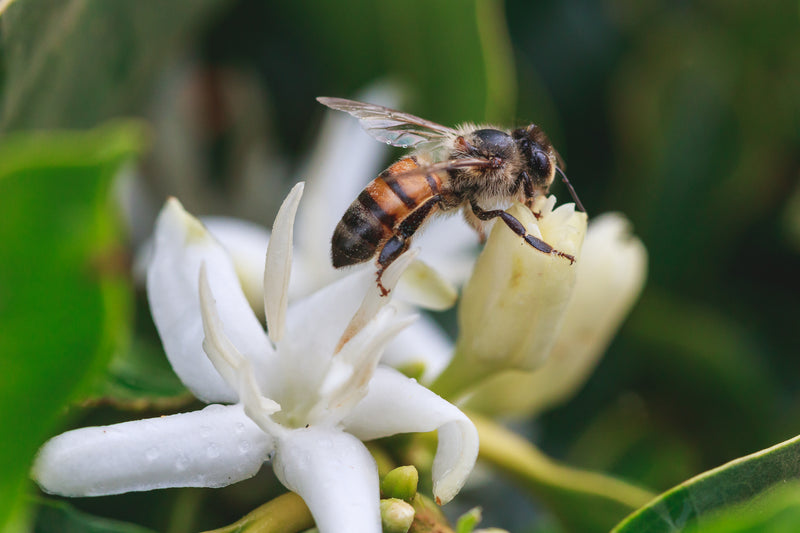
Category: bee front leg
[517,227]
[530,194]
[476,224]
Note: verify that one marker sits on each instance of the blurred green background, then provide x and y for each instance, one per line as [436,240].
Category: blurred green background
[685,116]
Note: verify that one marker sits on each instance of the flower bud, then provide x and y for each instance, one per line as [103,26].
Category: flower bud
[513,305]
[610,276]
[400,483]
[396,515]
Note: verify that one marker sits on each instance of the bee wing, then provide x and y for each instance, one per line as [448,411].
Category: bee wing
[450,164]
[388,125]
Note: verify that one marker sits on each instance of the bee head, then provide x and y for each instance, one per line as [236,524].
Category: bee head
[539,155]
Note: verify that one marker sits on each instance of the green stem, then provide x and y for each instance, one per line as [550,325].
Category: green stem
[498,60]
[459,376]
[285,514]
[584,501]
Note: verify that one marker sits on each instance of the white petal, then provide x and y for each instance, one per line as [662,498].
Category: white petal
[246,243]
[423,286]
[397,404]
[278,267]
[424,342]
[335,475]
[214,447]
[182,244]
[326,313]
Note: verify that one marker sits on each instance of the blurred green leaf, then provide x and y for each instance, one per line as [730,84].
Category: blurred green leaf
[65,298]
[582,501]
[74,63]
[626,440]
[60,517]
[706,114]
[141,378]
[747,478]
[708,364]
[471,78]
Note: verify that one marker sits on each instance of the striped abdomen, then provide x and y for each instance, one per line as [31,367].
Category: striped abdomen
[375,215]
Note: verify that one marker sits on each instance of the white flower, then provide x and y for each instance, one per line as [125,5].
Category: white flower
[610,276]
[343,161]
[305,396]
[513,305]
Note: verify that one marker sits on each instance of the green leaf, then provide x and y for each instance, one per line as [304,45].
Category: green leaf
[59,517]
[141,378]
[776,511]
[694,502]
[74,63]
[65,294]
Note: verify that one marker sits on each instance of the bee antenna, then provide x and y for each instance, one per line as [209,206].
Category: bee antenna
[571,190]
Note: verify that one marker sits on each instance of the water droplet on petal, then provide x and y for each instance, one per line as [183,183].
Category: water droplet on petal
[205,431]
[244,446]
[239,428]
[182,463]
[151,454]
[212,451]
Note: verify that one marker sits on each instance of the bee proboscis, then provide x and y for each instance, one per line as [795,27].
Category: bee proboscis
[465,168]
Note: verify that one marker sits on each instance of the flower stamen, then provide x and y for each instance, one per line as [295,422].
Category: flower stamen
[235,369]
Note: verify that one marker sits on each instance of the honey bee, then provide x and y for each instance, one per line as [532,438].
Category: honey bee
[466,168]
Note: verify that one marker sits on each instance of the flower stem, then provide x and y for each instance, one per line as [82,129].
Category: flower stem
[285,514]
[582,500]
[459,376]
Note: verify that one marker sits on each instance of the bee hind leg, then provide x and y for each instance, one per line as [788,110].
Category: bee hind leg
[517,227]
[393,249]
[400,241]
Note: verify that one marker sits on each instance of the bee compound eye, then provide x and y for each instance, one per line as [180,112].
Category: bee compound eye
[540,162]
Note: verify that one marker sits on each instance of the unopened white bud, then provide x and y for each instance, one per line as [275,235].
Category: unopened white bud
[513,305]
[611,274]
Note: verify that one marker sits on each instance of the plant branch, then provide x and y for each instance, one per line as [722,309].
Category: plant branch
[285,514]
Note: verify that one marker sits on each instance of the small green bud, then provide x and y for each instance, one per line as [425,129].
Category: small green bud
[413,369]
[400,483]
[396,515]
[467,521]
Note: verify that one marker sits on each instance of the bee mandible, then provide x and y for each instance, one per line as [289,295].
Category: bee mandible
[465,168]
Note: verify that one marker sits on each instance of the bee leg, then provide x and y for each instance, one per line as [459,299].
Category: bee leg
[517,227]
[401,240]
[530,194]
[393,248]
[476,224]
